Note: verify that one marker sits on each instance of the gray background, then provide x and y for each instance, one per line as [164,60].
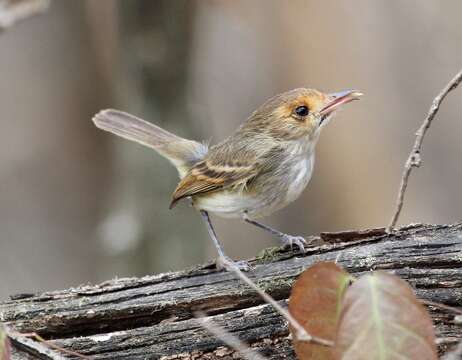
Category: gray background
[77,205]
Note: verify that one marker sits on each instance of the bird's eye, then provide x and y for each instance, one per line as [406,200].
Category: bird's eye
[302,111]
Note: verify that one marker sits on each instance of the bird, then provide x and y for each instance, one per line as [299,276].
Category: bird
[262,167]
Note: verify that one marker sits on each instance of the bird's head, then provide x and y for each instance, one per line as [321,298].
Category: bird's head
[298,113]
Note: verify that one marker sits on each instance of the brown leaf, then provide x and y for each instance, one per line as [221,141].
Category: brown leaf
[5,351]
[382,319]
[315,303]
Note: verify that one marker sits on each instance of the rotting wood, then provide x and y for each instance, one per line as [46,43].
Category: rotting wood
[152,317]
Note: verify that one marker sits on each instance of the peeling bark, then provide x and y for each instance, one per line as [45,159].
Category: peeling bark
[153,317]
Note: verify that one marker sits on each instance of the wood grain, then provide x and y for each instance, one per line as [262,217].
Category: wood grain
[153,317]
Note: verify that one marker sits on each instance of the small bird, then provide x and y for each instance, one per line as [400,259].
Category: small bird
[261,168]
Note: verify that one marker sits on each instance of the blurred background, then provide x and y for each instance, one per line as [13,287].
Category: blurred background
[78,205]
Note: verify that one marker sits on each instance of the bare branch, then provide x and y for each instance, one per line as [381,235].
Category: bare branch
[34,347]
[228,338]
[302,334]
[93,319]
[414,159]
[25,339]
[12,11]
[441,306]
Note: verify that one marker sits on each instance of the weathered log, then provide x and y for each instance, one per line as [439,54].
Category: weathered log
[153,317]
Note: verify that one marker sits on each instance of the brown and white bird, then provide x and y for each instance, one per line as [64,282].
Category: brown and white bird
[259,169]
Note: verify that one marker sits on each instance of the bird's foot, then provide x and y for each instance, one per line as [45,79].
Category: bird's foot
[290,241]
[226,263]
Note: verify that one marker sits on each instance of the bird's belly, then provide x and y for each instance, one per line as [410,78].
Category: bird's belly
[279,192]
[228,203]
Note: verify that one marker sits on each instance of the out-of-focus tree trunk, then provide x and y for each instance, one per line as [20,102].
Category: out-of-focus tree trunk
[52,161]
[150,58]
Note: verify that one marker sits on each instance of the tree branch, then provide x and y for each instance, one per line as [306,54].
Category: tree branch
[155,315]
[414,159]
[228,338]
[302,334]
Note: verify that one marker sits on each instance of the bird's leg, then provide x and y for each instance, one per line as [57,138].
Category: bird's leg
[286,239]
[223,261]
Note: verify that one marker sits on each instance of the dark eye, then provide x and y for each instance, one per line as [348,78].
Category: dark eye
[302,111]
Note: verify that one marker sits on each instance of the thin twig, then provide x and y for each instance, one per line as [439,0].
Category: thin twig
[228,338]
[301,333]
[58,348]
[414,159]
[24,340]
[441,306]
[33,347]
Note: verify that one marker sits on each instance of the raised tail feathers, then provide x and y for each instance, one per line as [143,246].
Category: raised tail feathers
[182,153]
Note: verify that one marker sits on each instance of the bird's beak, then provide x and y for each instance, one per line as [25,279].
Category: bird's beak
[338,99]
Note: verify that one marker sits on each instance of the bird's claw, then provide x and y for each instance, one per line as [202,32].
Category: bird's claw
[290,241]
[226,263]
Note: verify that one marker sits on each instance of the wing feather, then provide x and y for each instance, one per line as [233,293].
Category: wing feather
[207,176]
[182,153]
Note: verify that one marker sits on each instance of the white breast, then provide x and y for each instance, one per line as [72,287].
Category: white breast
[301,175]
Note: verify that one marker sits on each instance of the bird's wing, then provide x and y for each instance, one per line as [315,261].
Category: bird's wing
[182,153]
[218,171]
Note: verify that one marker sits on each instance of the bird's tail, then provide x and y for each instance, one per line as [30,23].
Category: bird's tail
[182,153]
